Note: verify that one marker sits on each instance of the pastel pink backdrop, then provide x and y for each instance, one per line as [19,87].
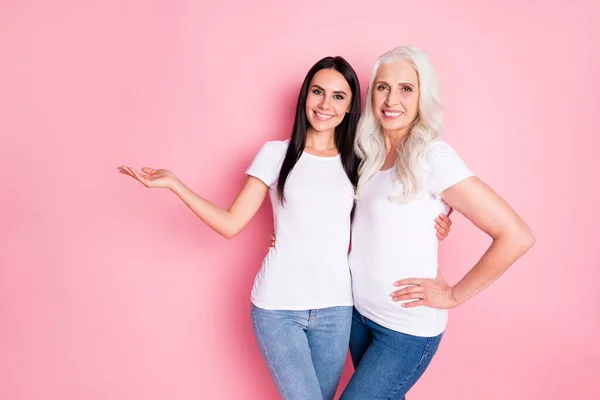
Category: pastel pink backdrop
[109,290]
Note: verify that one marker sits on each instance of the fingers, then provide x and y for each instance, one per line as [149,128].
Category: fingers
[410,281]
[445,221]
[441,230]
[418,294]
[125,170]
[143,179]
[272,240]
[415,303]
[408,290]
[442,224]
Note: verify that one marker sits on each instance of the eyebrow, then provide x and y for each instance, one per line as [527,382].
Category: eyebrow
[335,91]
[401,83]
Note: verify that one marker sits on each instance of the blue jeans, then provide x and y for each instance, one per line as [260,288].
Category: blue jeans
[305,351]
[387,363]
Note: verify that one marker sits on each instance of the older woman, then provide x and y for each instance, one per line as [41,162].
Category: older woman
[407,177]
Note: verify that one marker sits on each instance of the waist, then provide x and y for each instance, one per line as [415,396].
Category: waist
[298,284]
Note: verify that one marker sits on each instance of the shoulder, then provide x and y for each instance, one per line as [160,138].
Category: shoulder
[438,151]
[439,148]
[273,150]
[276,148]
[439,155]
[278,145]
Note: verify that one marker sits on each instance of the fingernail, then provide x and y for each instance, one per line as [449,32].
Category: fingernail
[396,284]
[403,305]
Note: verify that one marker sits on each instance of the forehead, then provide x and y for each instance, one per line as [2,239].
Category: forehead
[330,80]
[397,72]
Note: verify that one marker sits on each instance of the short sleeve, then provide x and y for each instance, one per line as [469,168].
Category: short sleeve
[267,163]
[446,168]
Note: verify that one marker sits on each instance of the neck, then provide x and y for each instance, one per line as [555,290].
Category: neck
[322,141]
[393,139]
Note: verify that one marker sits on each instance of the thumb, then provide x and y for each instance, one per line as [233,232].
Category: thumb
[148,170]
[439,274]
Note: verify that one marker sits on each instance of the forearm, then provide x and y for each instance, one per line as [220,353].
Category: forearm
[502,253]
[221,221]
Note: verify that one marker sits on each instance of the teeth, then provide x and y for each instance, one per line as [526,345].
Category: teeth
[392,114]
[323,116]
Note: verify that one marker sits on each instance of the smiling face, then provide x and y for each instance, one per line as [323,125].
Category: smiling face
[395,96]
[328,100]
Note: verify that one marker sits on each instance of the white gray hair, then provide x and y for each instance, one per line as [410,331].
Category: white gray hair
[426,128]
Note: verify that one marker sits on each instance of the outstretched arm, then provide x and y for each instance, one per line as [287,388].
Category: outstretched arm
[227,222]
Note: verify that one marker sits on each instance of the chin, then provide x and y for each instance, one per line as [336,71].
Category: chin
[318,126]
[389,126]
[321,128]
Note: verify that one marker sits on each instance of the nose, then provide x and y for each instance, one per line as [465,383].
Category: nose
[324,104]
[392,98]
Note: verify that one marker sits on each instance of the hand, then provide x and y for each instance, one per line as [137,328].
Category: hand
[442,225]
[434,293]
[272,240]
[152,178]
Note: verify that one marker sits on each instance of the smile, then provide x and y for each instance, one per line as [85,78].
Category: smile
[392,114]
[322,117]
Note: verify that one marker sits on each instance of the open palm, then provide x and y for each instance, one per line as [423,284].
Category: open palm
[150,177]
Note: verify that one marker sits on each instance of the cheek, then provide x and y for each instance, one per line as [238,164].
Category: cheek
[311,102]
[376,100]
[413,104]
[340,109]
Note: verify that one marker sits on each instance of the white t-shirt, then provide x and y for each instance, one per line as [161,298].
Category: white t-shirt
[392,241]
[308,267]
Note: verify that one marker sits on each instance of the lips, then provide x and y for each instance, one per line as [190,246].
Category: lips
[392,114]
[322,117]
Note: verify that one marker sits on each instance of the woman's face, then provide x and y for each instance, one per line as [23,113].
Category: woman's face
[395,96]
[328,100]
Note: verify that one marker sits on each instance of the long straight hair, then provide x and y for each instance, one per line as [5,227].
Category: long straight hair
[345,132]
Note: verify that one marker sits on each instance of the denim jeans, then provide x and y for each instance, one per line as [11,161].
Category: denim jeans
[305,351]
[387,363]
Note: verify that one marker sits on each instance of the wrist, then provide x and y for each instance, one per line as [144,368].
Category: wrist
[455,297]
[176,186]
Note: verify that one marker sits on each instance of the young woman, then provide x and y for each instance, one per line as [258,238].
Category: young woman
[407,177]
[302,296]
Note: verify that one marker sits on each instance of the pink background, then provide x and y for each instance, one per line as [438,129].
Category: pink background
[111,291]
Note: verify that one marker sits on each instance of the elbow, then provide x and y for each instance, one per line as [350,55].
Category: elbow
[519,239]
[525,238]
[230,233]
[529,239]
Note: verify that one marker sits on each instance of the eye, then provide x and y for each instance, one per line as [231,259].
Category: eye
[382,87]
[338,97]
[317,92]
[406,89]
